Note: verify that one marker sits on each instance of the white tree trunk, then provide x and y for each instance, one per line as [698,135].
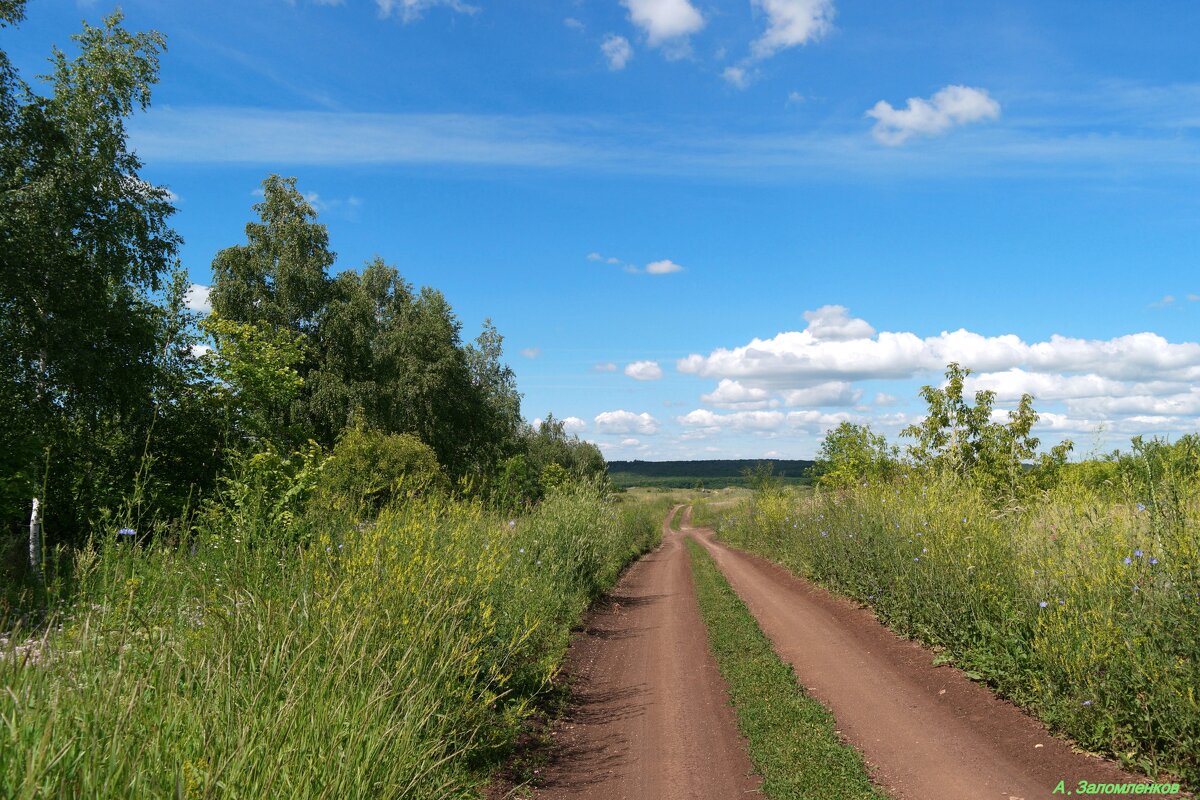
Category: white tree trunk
[35,542]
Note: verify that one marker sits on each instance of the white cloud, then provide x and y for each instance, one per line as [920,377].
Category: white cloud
[622,421]
[531,352]
[1137,383]
[834,323]
[710,422]
[630,442]
[644,370]
[413,9]
[1167,300]
[663,267]
[791,23]
[953,105]
[1192,298]
[604,366]
[663,20]
[794,99]
[573,23]
[196,298]
[574,425]
[732,394]
[736,76]
[617,50]
[833,393]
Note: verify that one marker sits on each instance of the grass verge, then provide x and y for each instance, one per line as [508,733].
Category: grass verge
[792,741]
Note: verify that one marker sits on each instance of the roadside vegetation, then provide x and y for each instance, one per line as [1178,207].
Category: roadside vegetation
[791,738]
[296,539]
[1072,588]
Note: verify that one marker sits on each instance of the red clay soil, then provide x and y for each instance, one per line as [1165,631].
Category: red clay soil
[650,715]
[926,732]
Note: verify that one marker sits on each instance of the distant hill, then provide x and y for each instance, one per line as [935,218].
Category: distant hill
[714,474]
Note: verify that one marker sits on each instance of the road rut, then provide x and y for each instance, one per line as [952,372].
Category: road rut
[651,717]
[926,732]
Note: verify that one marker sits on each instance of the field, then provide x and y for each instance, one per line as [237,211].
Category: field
[1083,606]
[397,658]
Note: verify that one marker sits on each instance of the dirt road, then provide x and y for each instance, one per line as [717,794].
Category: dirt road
[926,732]
[651,718]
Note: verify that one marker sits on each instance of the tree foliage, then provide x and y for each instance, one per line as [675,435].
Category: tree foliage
[853,453]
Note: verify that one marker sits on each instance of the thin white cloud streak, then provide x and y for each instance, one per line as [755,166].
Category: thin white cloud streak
[410,10]
[1032,147]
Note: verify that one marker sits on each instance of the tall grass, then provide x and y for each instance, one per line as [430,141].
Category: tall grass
[1081,606]
[395,659]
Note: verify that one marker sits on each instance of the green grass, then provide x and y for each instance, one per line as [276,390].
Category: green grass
[395,659]
[1081,606]
[677,518]
[792,739]
[624,480]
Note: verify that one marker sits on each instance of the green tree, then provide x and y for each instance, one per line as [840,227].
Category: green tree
[853,453]
[963,440]
[279,276]
[85,247]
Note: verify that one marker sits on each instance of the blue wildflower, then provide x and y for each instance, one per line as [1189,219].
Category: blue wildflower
[127,532]
[1043,604]
[1154,561]
[1087,702]
[1137,553]
[1141,507]
[1128,560]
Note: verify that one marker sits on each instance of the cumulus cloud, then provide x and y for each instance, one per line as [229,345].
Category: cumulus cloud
[663,267]
[732,394]
[196,298]
[573,425]
[644,370]
[626,422]
[663,20]
[791,23]
[833,393]
[531,352]
[833,323]
[410,10]
[617,50]
[953,105]
[1134,383]
[709,422]
[630,442]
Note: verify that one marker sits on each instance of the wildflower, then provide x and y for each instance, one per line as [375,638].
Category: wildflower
[127,532]
[964,520]
[512,523]
[916,558]
[1128,560]
[897,526]
[924,550]
[1137,553]
[1141,507]
[1154,561]
[1043,604]
[520,549]
[1087,702]
[824,533]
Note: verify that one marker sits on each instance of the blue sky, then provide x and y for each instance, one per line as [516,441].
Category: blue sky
[716,229]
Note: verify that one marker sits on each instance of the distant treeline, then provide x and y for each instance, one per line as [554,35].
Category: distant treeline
[715,473]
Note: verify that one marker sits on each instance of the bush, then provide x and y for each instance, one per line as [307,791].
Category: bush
[367,470]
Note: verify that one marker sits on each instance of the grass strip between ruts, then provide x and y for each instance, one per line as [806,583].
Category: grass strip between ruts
[792,738]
